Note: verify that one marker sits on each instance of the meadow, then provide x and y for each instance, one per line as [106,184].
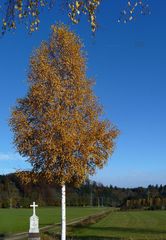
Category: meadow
[130,225]
[17,220]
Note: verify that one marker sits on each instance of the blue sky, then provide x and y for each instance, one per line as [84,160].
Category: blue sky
[128,62]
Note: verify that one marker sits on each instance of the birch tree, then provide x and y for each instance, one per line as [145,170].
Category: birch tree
[29,11]
[57,126]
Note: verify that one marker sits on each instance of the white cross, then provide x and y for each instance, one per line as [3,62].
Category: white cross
[33,205]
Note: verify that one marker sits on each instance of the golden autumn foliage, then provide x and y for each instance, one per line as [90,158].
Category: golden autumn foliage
[58,125]
[29,11]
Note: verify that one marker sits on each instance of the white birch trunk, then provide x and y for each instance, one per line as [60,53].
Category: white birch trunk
[63,235]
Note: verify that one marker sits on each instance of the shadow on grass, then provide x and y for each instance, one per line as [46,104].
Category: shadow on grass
[58,237]
[110,231]
[2,236]
[94,238]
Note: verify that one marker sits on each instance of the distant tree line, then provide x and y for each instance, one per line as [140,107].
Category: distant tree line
[13,194]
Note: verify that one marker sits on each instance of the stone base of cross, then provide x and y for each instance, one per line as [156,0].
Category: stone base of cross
[34,225]
[33,236]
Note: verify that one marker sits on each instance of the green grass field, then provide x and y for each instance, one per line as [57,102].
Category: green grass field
[17,220]
[131,225]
